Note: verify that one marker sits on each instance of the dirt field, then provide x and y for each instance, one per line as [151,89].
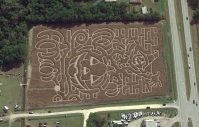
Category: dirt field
[86,64]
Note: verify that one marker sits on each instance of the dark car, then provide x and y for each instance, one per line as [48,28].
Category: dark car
[193,101]
[186,18]
[196,103]
[194,83]
[189,48]
[31,112]
[163,104]
[147,107]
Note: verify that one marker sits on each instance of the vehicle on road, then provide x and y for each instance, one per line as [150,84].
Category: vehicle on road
[148,107]
[194,83]
[190,49]
[186,18]
[193,101]
[188,55]
[163,104]
[31,112]
[1,120]
[189,66]
[196,103]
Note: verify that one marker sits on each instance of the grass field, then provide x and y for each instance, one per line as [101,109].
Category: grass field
[11,91]
[168,55]
[183,46]
[17,124]
[5,124]
[157,6]
[73,120]
[116,115]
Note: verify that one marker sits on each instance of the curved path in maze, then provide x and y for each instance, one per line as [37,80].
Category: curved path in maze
[94,64]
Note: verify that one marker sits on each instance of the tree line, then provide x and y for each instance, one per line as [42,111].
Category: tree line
[15,16]
[70,11]
[195,6]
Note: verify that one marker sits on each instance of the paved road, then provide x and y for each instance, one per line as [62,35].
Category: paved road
[194,95]
[192,74]
[186,108]
[179,70]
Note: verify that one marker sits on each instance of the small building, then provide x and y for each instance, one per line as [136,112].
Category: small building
[144,10]
[135,1]
[151,123]
[5,108]
[110,0]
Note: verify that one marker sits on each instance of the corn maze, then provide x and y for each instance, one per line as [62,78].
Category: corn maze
[96,63]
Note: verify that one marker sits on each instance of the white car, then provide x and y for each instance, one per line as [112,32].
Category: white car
[189,66]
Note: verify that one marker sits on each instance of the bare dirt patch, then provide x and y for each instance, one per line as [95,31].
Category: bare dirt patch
[85,64]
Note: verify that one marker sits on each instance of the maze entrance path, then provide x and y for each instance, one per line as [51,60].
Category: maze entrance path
[96,63]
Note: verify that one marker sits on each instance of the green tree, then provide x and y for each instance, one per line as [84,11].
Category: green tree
[196,14]
[94,120]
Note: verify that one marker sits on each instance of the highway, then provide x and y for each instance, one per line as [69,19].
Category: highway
[194,94]
[178,63]
[186,108]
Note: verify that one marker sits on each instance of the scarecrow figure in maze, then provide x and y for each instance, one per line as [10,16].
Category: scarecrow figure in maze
[106,62]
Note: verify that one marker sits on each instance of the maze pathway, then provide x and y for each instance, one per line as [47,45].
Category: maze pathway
[96,63]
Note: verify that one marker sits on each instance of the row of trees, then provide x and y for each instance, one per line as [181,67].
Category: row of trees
[13,31]
[75,12]
[16,15]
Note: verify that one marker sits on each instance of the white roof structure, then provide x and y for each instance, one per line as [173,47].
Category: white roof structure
[110,0]
[151,124]
[136,1]
[144,10]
